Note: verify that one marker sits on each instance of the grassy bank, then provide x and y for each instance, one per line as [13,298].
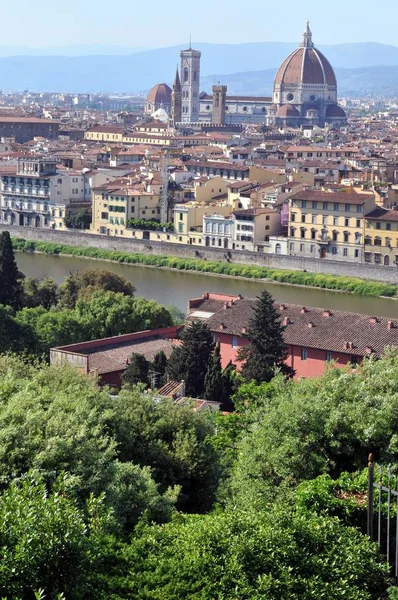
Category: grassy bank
[330,282]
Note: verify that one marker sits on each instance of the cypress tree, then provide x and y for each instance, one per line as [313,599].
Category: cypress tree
[137,371]
[159,367]
[189,362]
[10,276]
[214,380]
[266,350]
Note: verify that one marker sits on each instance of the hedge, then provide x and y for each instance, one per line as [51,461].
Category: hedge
[328,282]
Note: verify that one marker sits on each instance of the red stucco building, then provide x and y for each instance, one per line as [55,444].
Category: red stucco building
[313,336]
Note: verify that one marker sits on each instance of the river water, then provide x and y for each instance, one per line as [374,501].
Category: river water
[177,287]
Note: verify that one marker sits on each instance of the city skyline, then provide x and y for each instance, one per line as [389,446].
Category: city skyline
[93,23]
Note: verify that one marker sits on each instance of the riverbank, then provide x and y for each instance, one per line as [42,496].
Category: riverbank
[302,278]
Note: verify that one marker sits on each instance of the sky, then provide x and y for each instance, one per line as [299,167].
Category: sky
[157,23]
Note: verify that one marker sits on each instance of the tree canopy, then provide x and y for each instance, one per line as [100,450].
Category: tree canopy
[10,277]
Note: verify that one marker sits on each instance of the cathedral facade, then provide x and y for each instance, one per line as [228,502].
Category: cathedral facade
[305,92]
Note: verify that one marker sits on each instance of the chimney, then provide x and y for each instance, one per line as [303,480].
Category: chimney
[373,320]
[286,321]
[327,313]
[390,325]
[282,307]
[222,326]
[226,305]
[243,330]
[303,310]
[369,349]
[350,345]
[311,324]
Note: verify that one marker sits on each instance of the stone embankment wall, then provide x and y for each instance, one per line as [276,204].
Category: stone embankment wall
[275,261]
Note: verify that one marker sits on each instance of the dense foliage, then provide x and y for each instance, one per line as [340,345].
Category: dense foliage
[149,225]
[331,282]
[283,518]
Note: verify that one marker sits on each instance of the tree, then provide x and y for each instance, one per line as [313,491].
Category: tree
[81,220]
[266,351]
[10,276]
[158,367]
[48,542]
[189,362]
[214,380]
[271,554]
[86,283]
[50,328]
[39,292]
[137,371]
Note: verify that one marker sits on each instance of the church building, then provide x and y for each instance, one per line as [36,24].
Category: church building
[305,93]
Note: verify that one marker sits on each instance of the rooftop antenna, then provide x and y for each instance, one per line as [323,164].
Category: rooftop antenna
[190,41]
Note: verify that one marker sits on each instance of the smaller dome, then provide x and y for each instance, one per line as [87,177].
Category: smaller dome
[288,110]
[159,94]
[160,115]
[334,111]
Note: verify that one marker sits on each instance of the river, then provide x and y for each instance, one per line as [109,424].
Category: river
[177,287]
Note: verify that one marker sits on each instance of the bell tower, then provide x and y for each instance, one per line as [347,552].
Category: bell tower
[176,100]
[219,100]
[190,81]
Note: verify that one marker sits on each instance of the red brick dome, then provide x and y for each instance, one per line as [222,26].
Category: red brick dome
[306,65]
[159,94]
[334,111]
[288,110]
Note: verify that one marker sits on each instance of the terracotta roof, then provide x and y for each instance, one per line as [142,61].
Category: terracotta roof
[337,197]
[335,331]
[308,66]
[159,94]
[383,214]
[288,110]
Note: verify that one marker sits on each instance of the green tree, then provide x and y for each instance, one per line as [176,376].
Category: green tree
[87,282]
[266,351]
[189,362]
[106,314]
[10,276]
[39,292]
[272,554]
[214,380]
[173,440]
[137,371]
[81,220]
[47,542]
[50,328]
[158,368]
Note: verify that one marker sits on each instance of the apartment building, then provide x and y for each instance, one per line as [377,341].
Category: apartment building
[34,192]
[381,237]
[328,225]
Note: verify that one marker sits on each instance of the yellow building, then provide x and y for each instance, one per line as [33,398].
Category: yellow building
[188,219]
[116,203]
[328,225]
[381,237]
[105,133]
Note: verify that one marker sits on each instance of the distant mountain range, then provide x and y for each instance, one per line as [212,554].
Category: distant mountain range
[245,68]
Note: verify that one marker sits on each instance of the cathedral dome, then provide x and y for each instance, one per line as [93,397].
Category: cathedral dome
[288,110]
[334,111]
[159,94]
[306,65]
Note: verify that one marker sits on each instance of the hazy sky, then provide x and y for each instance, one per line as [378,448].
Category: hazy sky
[158,23]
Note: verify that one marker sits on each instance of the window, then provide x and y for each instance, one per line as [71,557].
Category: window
[335,221]
[181,217]
[329,356]
[347,207]
[313,234]
[234,341]
[313,219]
[388,226]
[301,247]
[291,246]
[104,215]
[346,222]
[335,206]
[356,253]
[334,236]
[181,227]
[312,248]
[334,250]
[314,204]
[293,217]
[345,252]
[378,225]
[303,218]
[359,208]
[325,206]
[302,233]
[304,204]
[358,222]
[304,353]
[346,236]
